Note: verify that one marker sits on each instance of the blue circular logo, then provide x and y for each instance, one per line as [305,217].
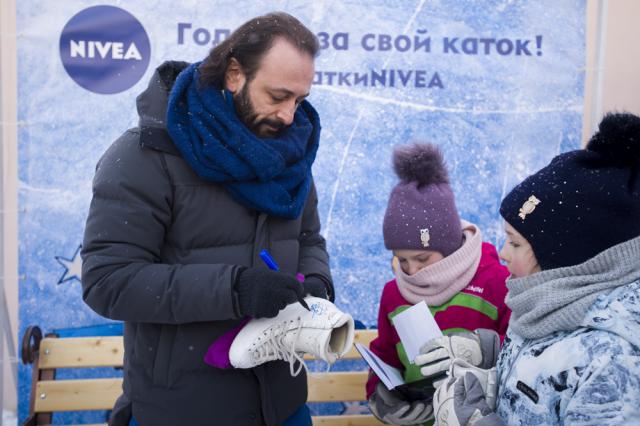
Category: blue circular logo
[105,49]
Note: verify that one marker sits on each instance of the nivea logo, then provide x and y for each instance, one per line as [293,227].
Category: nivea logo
[93,49]
[105,49]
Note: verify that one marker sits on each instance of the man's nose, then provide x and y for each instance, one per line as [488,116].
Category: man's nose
[286,113]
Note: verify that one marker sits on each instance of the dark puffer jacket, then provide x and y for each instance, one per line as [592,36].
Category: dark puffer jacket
[161,251]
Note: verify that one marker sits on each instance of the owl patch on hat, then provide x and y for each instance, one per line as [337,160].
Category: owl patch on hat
[425,237]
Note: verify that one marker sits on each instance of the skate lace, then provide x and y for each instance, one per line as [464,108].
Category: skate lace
[274,347]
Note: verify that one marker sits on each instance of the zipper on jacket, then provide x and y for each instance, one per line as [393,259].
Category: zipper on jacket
[260,238]
[513,363]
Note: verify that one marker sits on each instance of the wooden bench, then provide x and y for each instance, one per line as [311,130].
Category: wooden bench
[49,395]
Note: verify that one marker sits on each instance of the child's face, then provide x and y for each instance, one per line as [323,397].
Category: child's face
[518,254]
[411,261]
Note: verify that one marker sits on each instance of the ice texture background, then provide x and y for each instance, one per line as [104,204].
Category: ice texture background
[496,117]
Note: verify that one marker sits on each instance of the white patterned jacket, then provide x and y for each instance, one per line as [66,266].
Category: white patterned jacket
[588,376]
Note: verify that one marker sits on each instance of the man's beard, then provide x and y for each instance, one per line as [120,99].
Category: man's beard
[246,113]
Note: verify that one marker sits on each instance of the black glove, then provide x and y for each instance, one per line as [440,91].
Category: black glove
[315,286]
[262,293]
[388,406]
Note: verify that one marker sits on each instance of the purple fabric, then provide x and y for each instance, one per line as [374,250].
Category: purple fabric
[218,353]
[412,209]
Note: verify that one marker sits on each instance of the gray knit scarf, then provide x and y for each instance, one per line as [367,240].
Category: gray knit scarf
[558,299]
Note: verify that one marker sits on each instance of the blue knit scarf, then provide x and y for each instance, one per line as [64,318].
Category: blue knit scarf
[271,175]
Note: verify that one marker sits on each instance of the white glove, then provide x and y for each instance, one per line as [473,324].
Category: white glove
[479,348]
[462,401]
[488,379]
[389,407]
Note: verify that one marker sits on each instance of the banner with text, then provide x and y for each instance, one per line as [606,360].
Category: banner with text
[497,84]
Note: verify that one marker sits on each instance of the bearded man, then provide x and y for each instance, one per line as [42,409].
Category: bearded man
[218,169]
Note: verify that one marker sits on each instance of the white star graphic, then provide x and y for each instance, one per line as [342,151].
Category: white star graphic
[72,267]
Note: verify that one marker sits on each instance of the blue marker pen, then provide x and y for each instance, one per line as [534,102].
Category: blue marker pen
[271,263]
[268,260]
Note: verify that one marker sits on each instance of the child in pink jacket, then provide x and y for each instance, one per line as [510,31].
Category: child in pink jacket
[443,261]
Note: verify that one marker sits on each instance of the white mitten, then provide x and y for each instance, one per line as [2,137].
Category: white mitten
[479,348]
[462,401]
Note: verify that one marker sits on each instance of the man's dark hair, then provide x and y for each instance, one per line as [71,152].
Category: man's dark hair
[250,42]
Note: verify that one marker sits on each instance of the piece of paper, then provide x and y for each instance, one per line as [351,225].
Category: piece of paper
[415,327]
[390,376]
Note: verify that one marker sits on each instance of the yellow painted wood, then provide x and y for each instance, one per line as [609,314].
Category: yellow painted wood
[363,337]
[74,352]
[101,394]
[77,395]
[355,420]
[342,386]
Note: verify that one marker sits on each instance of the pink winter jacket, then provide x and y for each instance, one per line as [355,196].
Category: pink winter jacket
[479,305]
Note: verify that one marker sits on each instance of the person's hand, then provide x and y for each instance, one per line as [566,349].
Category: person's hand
[315,286]
[262,293]
[462,401]
[479,348]
[488,378]
[388,406]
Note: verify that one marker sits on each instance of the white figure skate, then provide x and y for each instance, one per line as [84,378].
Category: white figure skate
[324,331]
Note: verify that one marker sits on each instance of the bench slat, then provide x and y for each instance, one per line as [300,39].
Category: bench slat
[77,395]
[75,352]
[98,394]
[348,420]
[352,420]
[342,386]
[101,394]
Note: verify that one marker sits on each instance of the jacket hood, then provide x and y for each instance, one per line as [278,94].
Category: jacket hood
[617,312]
[152,102]
[152,108]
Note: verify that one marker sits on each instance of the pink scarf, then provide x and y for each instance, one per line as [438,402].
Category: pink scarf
[438,283]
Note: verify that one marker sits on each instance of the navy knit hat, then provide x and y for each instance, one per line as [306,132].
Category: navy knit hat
[422,213]
[584,201]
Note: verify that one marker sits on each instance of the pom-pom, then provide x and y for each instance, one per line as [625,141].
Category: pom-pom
[618,138]
[420,162]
